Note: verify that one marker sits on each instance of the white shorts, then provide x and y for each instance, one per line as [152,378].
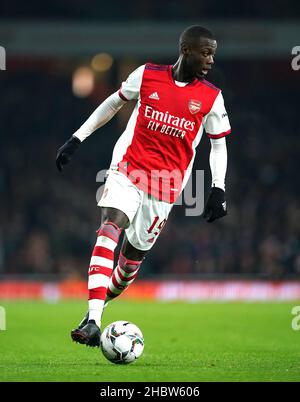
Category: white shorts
[147,215]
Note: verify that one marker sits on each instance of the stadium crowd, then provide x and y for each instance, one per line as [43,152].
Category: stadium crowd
[48,220]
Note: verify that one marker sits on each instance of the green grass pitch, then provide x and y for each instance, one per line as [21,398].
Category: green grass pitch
[183,342]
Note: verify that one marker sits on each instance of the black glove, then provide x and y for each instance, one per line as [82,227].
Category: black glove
[215,207]
[65,152]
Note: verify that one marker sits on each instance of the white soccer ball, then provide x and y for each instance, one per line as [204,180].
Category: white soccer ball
[122,342]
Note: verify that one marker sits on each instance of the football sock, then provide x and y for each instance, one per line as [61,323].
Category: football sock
[123,275]
[101,267]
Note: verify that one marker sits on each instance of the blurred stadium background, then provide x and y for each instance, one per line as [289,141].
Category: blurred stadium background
[62,59]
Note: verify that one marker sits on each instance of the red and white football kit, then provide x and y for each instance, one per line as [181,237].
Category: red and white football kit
[158,145]
[153,158]
[151,164]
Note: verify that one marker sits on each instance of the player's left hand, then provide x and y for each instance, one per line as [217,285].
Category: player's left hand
[215,207]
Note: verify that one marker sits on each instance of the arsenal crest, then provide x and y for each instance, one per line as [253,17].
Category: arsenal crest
[194,106]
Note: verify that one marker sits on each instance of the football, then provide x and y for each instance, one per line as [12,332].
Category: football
[122,342]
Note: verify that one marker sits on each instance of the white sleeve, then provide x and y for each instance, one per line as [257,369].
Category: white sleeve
[216,122]
[104,112]
[218,162]
[130,89]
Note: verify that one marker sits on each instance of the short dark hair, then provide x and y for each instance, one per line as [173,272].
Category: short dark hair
[194,32]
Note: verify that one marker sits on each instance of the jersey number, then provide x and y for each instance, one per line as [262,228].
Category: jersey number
[157,227]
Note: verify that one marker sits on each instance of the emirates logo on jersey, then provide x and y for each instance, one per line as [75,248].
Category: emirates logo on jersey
[194,106]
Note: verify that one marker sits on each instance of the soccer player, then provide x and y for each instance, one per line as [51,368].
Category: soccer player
[151,163]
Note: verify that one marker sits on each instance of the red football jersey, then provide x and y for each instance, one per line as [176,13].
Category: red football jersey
[157,149]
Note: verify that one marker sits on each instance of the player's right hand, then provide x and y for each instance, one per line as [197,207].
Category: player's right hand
[65,152]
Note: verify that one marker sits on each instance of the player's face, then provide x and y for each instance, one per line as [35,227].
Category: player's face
[200,57]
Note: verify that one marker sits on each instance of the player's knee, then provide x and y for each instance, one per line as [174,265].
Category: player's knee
[131,252]
[115,216]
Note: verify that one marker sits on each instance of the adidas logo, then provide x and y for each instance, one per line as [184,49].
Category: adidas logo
[154,96]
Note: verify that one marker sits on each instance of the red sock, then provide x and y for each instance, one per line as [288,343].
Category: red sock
[123,275]
[101,267]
